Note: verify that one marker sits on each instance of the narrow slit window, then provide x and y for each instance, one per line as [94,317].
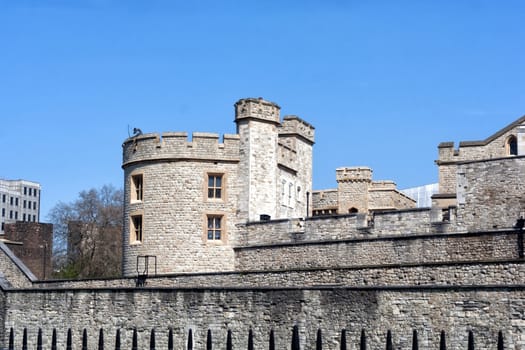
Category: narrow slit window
[136,228]
[137,187]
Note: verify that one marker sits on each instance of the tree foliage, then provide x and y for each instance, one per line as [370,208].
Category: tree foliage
[88,234]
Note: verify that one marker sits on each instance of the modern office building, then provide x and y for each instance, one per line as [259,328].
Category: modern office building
[19,201]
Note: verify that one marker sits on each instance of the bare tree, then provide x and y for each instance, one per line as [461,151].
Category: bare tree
[88,234]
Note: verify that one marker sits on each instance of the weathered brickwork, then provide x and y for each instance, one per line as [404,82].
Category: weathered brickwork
[32,242]
[455,310]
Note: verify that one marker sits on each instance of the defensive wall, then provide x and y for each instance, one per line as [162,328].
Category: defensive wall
[495,146]
[490,192]
[177,146]
[485,310]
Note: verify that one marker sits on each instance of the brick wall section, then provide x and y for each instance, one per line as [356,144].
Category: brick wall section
[36,248]
[490,193]
[428,310]
[13,272]
[406,249]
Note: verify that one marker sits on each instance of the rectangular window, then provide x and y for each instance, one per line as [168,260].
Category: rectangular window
[30,191]
[3,198]
[24,217]
[3,212]
[214,227]
[11,200]
[136,187]
[34,205]
[136,228]
[34,218]
[25,191]
[25,204]
[16,215]
[214,186]
[16,202]
[10,214]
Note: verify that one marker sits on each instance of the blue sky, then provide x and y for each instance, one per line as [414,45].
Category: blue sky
[383,82]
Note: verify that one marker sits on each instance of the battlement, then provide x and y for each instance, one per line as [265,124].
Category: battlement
[385,185]
[354,174]
[292,125]
[257,108]
[177,146]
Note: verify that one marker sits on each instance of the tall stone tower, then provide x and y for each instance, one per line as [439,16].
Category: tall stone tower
[353,185]
[257,125]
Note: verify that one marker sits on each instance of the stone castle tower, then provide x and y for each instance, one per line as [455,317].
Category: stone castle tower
[184,200]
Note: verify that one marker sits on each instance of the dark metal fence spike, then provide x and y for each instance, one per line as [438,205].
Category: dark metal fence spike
[229,343]
[69,341]
[24,340]
[54,340]
[170,339]
[343,339]
[152,340]
[271,344]
[362,342]
[389,345]
[470,340]
[319,340]
[11,339]
[101,339]
[443,341]
[500,341]
[84,340]
[415,343]
[117,340]
[295,338]
[190,339]
[134,344]
[39,340]
[208,340]
[250,340]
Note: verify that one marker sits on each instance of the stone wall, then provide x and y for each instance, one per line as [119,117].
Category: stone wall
[490,193]
[336,227]
[498,272]
[456,310]
[402,249]
[494,146]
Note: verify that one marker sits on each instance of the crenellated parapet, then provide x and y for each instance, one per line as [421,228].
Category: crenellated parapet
[176,146]
[293,126]
[354,174]
[257,108]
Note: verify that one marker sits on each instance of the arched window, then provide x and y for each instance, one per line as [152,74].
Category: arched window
[512,146]
[353,210]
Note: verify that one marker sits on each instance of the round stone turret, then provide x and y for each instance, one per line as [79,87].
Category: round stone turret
[257,108]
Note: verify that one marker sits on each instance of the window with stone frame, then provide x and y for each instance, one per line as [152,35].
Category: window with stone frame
[215,186]
[512,146]
[137,188]
[136,229]
[214,227]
